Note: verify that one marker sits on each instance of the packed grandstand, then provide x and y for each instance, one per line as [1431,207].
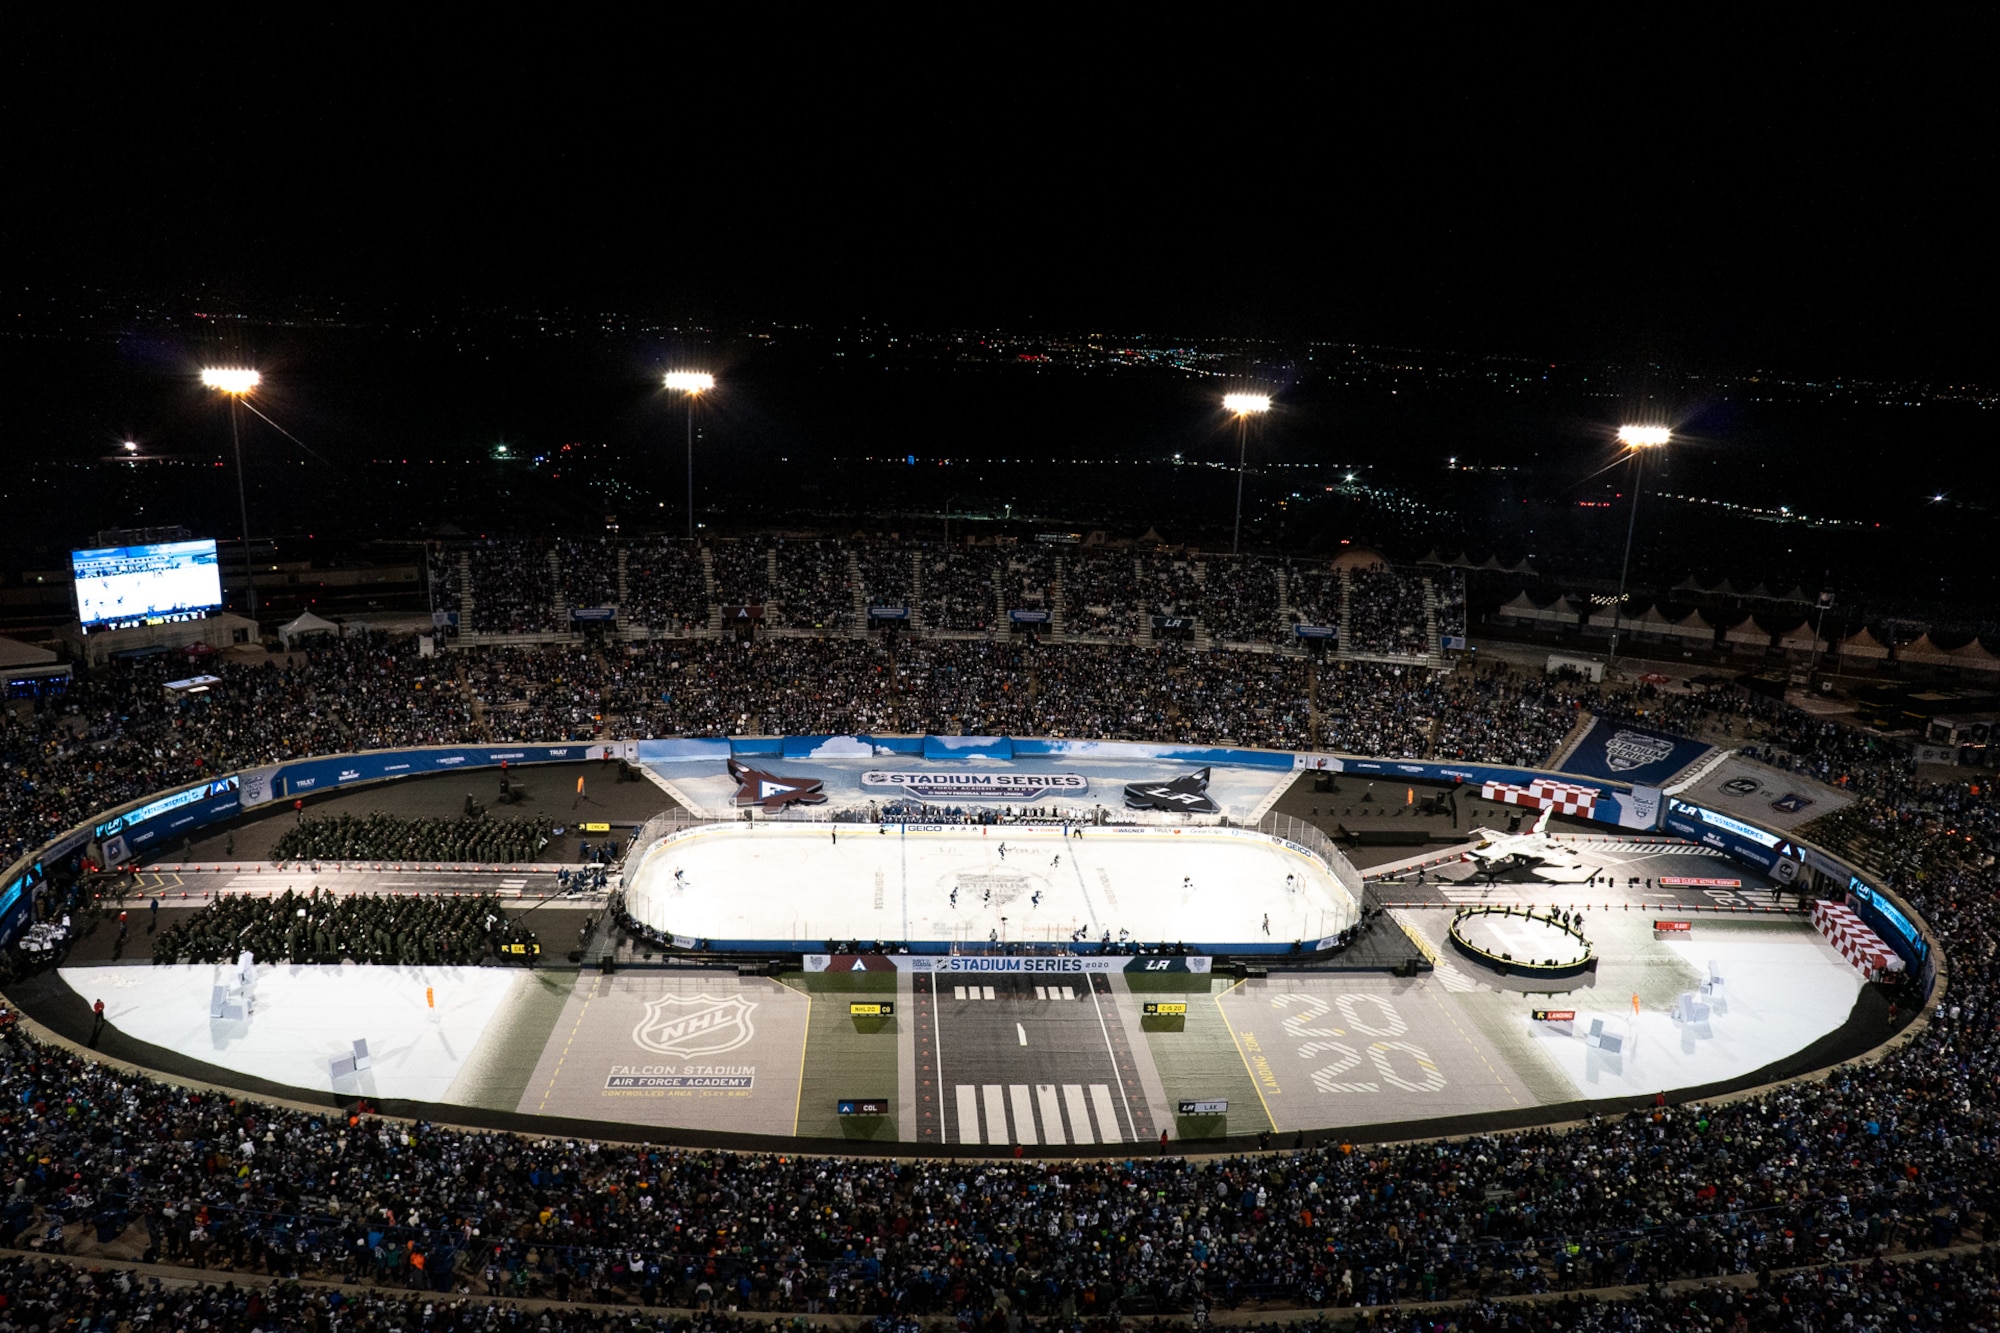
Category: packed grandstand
[1826,1176]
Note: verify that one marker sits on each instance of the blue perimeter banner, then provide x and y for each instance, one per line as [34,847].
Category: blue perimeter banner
[289,781]
[1627,752]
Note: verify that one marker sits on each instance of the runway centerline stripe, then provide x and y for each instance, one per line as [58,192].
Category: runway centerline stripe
[556,1073]
[1022,1033]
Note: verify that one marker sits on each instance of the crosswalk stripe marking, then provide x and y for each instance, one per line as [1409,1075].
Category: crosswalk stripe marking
[1079,1115]
[1041,992]
[1108,1130]
[996,1113]
[1052,1125]
[1024,1114]
[987,992]
[968,1114]
[958,992]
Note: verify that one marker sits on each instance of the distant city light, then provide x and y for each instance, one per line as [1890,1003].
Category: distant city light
[132,448]
[1244,404]
[689,381]
[1643,437]
[231,381]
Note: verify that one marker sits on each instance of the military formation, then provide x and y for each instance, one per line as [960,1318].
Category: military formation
[474,837]
[324,927]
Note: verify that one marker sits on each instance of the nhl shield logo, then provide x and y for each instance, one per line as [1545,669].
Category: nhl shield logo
[688,1026]
[1627,750]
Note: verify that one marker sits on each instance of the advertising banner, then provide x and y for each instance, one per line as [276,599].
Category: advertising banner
[1642,808]
[1627,752]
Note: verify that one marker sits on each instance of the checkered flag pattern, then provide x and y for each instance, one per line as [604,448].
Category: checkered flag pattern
[1857,944]
[1566,797]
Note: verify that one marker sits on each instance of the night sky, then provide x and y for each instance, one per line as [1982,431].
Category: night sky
[1721,194]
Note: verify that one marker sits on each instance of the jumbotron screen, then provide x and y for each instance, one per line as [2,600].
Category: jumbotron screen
[119,587]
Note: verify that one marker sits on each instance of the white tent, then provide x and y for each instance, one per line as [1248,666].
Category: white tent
[1975,656]
[1749,633]
[1801,639]
[1922,650]
[306,624]
[1863,644]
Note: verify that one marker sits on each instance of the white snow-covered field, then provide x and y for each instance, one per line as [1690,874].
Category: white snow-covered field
[877,882]
[1780,993]
[302,1017]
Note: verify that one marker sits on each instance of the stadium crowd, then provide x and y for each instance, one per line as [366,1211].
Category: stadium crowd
[1877,1159]
[479,838]
[958,590]
[1239,600]
[665,588]
[512,590]
[811,590]
[324,927]
[1385,608]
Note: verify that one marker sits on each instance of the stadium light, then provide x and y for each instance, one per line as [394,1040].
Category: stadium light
[231,380]
[1637,440]
[693,383]
[236,382]
[1243,406]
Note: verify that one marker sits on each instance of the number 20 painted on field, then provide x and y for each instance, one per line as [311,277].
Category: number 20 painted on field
[1385,1022]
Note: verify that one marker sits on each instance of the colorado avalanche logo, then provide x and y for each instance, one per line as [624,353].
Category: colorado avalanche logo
[688,1026]
[1627,750]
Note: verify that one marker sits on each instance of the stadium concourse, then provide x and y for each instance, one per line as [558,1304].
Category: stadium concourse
[1878,1159]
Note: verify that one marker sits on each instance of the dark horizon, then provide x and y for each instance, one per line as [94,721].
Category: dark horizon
[1778,198]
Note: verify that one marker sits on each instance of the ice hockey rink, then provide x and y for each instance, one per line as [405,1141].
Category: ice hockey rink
[774,884]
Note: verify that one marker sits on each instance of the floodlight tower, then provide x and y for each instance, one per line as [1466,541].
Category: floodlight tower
[235,383]
[693,383]
[1637,440]
[1243,406]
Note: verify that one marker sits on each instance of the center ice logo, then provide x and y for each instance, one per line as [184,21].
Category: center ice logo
[694,1025]
[1627,750]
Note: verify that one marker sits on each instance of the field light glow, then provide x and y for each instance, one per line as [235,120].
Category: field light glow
[1244,404]
[1643,437]
[231,381]
[689,381]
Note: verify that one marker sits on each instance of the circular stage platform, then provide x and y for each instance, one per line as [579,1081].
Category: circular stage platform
[1510,941]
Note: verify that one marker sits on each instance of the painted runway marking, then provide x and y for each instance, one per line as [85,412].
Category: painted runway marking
[1131,1125]
[1024,1114]
[1022,1033]
[1079,1117]
[1037,1113]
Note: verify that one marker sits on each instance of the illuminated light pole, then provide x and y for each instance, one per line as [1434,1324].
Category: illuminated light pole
[236,383]
[1637,440]
[693,383]
[1244,406]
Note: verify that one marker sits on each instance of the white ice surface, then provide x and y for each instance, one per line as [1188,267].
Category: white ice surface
[304,1016]
[1781,993]
[794,882]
